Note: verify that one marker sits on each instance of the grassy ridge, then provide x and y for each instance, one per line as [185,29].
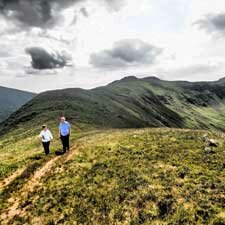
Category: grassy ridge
[150,176]
[11,100]
[129,103]
[139,176]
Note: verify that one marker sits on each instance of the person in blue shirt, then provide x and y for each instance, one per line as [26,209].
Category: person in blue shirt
[64,133]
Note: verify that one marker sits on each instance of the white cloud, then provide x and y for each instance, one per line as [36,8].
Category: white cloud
[188,52]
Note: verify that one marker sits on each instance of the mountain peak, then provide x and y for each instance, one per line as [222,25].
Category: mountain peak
[125,79]
[221,80]
[129,78]
[134,78]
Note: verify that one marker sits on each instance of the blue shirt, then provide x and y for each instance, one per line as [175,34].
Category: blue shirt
[64,128]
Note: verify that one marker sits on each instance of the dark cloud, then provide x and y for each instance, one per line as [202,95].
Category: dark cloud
[34,13]
[129,52]
[213,23]
[84,12]
[43,13]
[42,59]
[114,5]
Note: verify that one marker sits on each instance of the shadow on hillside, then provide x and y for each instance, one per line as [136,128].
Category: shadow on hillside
[59,152]
[19,181]
[36,157]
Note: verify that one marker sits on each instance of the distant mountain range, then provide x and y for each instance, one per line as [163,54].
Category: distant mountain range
[130,102]
[11,100]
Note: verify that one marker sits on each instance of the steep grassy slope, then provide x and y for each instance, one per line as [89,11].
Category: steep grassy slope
[200,104]
[150,176]
[130,102]
[146,176]
[11,100]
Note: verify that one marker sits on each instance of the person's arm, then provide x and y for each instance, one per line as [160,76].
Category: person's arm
[50,135]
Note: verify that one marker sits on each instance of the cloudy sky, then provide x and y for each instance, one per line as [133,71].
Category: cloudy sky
[54,44]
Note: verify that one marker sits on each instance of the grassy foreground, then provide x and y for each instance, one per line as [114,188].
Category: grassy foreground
[144,176]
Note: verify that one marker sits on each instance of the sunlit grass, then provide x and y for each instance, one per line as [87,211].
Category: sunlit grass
[146,176]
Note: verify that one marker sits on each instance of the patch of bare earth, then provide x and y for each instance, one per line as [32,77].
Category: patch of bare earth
[15,208]
[11,178]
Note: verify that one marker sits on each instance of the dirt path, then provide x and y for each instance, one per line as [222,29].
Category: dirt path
[12,177]
[29,187]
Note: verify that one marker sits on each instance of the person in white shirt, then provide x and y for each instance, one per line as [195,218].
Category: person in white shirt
[46,137]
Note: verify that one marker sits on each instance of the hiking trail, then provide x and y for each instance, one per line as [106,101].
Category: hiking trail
[15,208]
[12,177]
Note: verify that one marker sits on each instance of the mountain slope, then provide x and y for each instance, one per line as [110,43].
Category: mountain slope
[131,102]
[117,176]
[11,100]
[137,176]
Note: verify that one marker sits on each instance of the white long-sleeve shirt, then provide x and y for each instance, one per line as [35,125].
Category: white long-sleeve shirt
[46,136]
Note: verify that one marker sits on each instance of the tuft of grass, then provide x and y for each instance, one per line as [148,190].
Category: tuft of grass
[142,176]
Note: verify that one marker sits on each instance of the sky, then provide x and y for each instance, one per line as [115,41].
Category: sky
[54,44]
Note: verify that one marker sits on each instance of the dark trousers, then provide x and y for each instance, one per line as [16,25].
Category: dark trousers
[65,142]
[46,147]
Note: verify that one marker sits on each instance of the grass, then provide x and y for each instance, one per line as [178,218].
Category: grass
[22,146]
[137,176]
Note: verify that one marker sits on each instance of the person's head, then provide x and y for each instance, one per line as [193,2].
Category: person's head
[62,119]
[44,127]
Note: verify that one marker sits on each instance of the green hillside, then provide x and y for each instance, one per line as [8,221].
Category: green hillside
[163,175]
[131,102]
[11,100]
[144,176]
